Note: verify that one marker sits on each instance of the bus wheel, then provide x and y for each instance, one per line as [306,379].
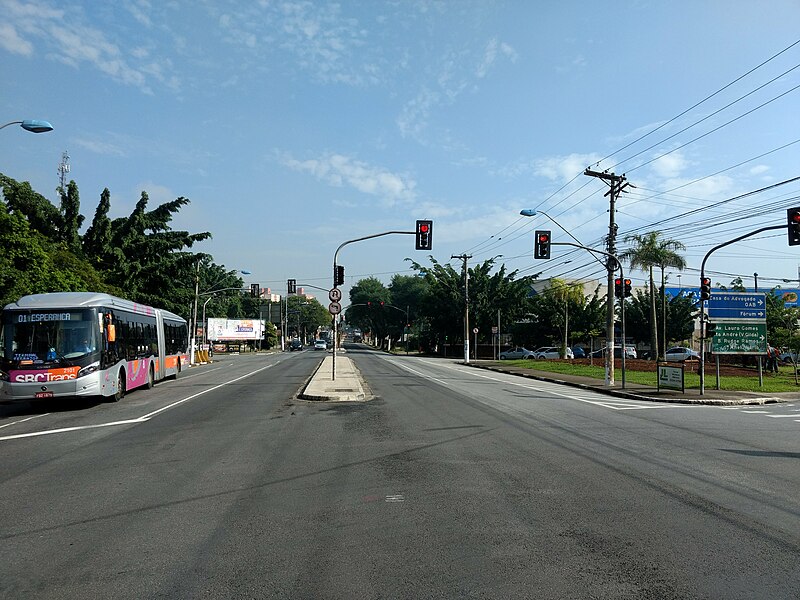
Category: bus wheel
[120,387]
[150,378]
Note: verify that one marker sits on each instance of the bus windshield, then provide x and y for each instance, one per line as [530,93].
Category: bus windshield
[44,337]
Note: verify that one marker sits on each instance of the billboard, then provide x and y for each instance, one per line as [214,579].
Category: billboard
[235,329]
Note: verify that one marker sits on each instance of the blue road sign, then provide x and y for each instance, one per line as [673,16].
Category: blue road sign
[737,306]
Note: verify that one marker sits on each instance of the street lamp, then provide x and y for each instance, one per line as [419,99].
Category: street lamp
[610,317]
[32,125]
[194,311]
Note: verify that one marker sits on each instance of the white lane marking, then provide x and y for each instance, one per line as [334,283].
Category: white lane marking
[395,498]
[68,429]
[23,420]
[781,416]
[216,387]
[755,412]
[141,419]
[622,405]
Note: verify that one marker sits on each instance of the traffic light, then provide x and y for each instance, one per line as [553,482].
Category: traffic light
[618,288]
[424,235]
[627,288]
[541,248]
[793,221]
[338,275]
[255,290]
[291,286]
[711,329]
[705,288]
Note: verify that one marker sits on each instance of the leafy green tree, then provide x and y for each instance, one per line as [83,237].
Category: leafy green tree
[365,312]
[97,239]
[71,217]
[565,294]
[30,263]
[38,211]
[782,321]
[681,315]
[150,261]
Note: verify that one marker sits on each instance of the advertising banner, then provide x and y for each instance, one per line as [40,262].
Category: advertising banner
[235,329]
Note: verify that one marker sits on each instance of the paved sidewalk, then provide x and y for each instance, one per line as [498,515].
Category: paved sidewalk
[635,391]
[347,387]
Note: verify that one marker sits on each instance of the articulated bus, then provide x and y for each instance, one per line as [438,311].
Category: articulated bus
[84,344]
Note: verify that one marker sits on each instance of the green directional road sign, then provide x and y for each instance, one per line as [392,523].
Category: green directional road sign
[740,338]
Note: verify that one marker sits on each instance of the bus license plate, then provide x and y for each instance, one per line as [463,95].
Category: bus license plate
[43,394]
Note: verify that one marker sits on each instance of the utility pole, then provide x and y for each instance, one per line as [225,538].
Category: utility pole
[616,186]
[464,257]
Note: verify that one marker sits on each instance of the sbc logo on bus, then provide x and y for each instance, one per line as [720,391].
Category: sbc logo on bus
[45,376]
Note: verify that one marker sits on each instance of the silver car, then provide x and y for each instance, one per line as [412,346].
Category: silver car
[551,352]
[516,353]
[680,353]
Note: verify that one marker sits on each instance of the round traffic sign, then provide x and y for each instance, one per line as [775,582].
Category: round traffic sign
[475,330]
[334,308]
[335,295]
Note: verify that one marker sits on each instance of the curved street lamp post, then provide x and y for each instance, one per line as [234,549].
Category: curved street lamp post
[32,125]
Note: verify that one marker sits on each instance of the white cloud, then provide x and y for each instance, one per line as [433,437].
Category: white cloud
[99,147]
[563,168]
[11,41]
[759,169]
[339,171]
[669,165]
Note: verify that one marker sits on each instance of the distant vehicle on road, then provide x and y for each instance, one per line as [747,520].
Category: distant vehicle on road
[295,345]
[320,345]
[546,352]
[516,353]
[680,353]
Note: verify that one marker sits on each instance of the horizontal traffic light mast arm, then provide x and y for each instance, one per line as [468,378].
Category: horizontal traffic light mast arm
[241,289]
[367,237]
[603,252]
[733,241]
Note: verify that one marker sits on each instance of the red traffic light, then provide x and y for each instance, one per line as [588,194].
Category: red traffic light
[423,228]
[618,281]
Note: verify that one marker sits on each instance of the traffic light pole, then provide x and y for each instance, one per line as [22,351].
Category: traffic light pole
[621,303]
[702,303]
[335,262]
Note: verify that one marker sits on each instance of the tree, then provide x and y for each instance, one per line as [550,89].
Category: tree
[97,239]
[565,294]
[364,312]
[71,217]
[443,305]
[651,251]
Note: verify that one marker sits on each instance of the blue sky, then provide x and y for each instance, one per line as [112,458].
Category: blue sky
[294,126]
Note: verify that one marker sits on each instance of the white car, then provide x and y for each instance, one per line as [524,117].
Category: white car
[551,352]
[320,345]
[516,354]
[679,354]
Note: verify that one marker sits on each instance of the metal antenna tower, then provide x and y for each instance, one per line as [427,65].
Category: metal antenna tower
[63,169]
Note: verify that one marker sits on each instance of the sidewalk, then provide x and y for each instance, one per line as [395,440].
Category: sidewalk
[635,391]
[347,387]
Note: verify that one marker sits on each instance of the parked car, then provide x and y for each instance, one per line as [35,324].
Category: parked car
[630,352]
[516,354]
[680,353]
[551,352]
[788,357]
[320,345]
[578,352]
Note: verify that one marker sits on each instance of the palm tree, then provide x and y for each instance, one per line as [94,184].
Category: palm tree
[650,251]
[668,257]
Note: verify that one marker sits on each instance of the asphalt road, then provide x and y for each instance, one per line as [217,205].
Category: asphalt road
[452,482]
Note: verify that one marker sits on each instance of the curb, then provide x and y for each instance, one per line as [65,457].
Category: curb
[634,396]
